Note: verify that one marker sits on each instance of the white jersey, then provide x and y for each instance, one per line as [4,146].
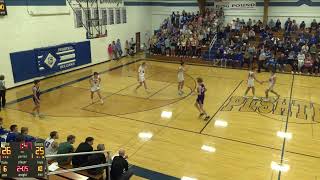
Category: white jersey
[272,81]
[95,83]
[181,74]
[48,146]
[251,79]
[141,72]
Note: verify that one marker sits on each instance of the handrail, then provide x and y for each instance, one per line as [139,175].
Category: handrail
[79,169]
[74,154]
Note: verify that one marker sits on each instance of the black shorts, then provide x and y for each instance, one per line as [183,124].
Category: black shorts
[200,99]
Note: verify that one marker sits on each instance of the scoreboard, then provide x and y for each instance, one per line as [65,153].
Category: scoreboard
[21,160]
[3,8]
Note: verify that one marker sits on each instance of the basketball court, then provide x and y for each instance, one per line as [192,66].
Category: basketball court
[239,141]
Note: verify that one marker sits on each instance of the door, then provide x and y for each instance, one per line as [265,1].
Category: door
[138,42]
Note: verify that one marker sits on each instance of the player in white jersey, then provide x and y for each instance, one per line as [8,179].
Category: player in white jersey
[141,76]
[250,83]
[95,81]
[51,145]
[272,82]
[181,71]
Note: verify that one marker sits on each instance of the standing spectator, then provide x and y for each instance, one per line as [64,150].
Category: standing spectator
[2,92]
[282,61]
[120,166]
[11,137]
[96,159]
[65,148]
[314,24]
[292,61]
[114,50]
[51,145]
[252,51]
[302,25]
[110,51]
[261,60]
[25,132]
[301,57]
[272,24]
[119,48]
[127,48]
[132,45]
[278,25]
[80,160]
[167,46]
[316,65]
[249,23]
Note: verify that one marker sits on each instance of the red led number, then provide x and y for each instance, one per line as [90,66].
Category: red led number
[22,168]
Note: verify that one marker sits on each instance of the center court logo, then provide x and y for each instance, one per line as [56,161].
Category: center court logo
[50,60]
[301,110]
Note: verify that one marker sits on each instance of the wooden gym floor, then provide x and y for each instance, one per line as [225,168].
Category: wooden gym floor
[243,149]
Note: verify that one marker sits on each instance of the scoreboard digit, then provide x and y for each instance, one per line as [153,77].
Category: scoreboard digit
[3,8]
[20,160]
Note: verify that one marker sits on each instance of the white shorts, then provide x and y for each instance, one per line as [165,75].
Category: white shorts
[180,78]
[141,79]
[250,83]
[95,88]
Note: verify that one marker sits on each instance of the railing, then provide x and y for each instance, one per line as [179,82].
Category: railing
[213,41]
[79,168]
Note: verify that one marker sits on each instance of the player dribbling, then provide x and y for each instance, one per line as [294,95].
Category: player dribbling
[201,90]
[250,83]
[141,77]
[272,82]
[95,81]
[181,78]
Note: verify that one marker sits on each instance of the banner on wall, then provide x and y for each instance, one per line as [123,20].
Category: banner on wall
[49,60]
[57,58]
[235,5]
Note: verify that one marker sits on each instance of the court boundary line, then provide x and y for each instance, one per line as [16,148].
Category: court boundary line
[220,107]
[286,126]
[71,82]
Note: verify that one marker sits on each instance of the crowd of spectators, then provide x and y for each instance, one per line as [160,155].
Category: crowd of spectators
[290,46]
[184,34]
[119,167]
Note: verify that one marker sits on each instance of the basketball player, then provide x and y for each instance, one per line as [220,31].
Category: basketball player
[51,145]
[36,98]
[181,78]
[95,81]
[250,83]
[201,89]
[141,76]
[272,82]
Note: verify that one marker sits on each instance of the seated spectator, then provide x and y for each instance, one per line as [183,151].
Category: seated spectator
[308,64]
[65,148]
[2,130]
[80,160]
[51,145]
[305,48]
[11,137]
[301,57]
[316,64]
[25,132]
[252,35]
[120,166]
[96,159]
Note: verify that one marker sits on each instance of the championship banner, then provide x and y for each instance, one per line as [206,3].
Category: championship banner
[57,58]
[3,8]
[235,5]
